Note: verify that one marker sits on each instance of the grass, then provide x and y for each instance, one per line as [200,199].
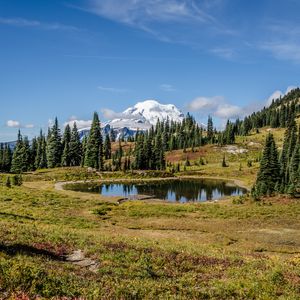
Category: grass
[230,249]
[147,250]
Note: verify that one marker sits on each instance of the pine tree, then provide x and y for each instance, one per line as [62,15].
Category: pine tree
[75,148]
[290,140]
[66,158]
[1,156]
[107,147]
[210,129]
[33,153]
[17,159]
[43,161]
[6,158]
[268,175]
[21,156]
[83,146]
[94,147]
[39,150]
[54,146]
[26,155]
[8,183]
[294,185]
[224,165]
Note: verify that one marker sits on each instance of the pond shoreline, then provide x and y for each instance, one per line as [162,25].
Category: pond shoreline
[60,185]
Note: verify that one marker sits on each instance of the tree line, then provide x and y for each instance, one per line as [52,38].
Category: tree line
[54,150]
[94,150]
[278,114]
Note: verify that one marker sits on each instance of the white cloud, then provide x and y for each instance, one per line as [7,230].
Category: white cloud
[283,40]
[110,114]
[139,12]
[167,87]
[277,94]
[79,123]
[228,111]
[290,88]
[20,22]
[111,89]
[205,103]
[17,124]
[216,106]
[156,17]
[13,124]
[284,50]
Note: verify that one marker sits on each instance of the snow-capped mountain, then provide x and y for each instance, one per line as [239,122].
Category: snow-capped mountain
[152,111]
[139,117]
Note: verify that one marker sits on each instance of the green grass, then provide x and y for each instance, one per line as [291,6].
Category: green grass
[147,250]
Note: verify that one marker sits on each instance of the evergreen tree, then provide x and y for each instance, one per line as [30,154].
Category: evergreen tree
[39,150]
[289,144]
[107,147]
[1,156]
[224,165]
[294,184]
[26,154]
[54,146]
[6,158]
[33,154]
[75,147]
[16,166]
[210,129]
[268,175]
[8,183]
[94,147]
[43,162]
[21,155]
[66,158]
[83,146]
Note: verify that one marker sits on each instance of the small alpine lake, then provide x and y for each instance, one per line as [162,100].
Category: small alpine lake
[174,190]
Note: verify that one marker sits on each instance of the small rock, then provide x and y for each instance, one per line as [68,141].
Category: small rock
[75,256]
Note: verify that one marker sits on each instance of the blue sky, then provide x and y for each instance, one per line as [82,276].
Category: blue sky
[69,58]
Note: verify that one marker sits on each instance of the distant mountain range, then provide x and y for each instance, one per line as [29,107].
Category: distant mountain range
[140,117]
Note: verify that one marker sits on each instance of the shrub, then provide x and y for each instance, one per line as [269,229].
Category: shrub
[8,183]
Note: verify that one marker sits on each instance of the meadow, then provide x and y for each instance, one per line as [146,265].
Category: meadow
[235,248]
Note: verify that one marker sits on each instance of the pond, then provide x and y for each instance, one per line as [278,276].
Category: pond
[183,190]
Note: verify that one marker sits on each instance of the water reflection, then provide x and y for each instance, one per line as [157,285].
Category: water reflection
[171,190]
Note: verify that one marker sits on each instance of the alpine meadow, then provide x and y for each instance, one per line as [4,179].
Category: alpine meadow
[107,196]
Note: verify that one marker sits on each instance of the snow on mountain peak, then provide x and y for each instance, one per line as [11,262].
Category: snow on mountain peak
[139,117]
[152,111]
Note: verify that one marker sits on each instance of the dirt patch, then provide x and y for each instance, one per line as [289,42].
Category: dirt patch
[179,155]
[234,150]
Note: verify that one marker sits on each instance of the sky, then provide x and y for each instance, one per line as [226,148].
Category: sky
[70,58]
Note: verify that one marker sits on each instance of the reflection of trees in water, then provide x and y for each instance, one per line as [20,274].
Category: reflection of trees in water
[189,190]
[128,189]
[178,190]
